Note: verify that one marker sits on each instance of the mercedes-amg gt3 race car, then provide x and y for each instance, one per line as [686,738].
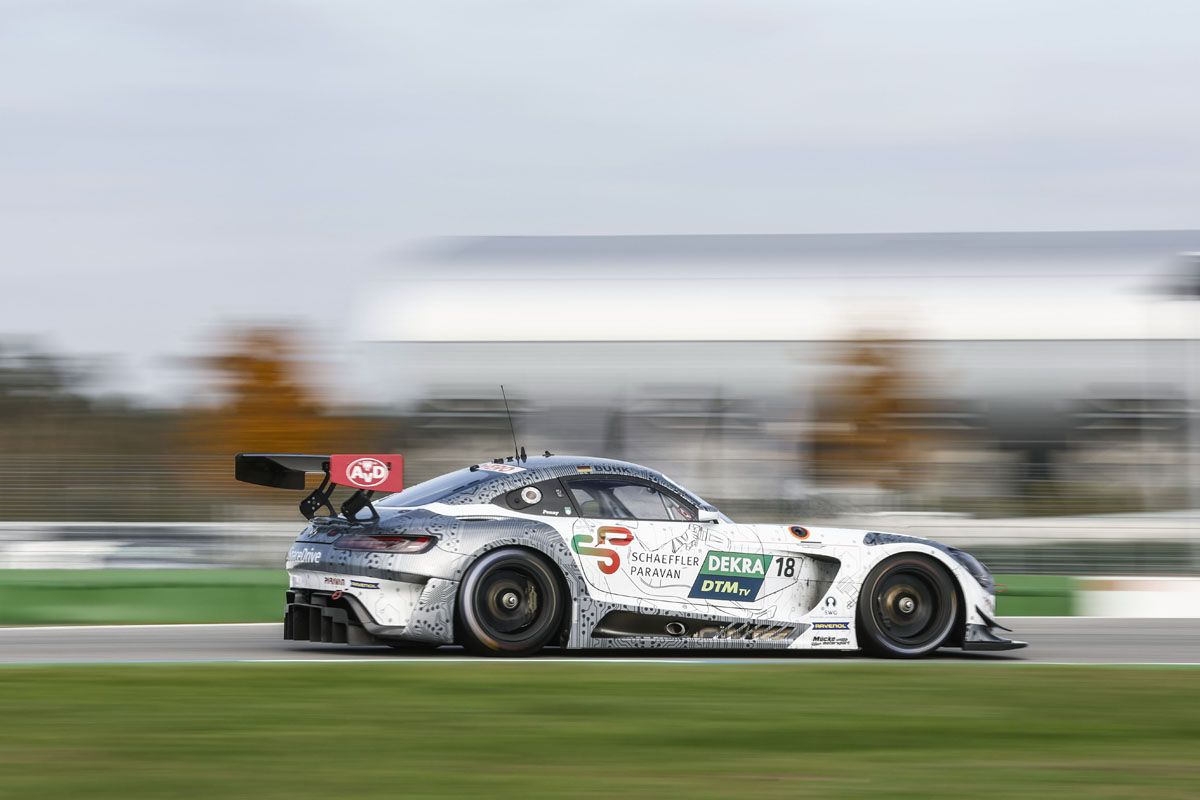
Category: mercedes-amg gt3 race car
[510,556]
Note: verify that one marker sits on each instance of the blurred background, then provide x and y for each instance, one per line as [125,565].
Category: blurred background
[932,268]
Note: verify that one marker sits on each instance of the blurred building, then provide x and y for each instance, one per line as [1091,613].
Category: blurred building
[1025,367]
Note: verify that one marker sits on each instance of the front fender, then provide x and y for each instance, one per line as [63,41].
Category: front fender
[977,597]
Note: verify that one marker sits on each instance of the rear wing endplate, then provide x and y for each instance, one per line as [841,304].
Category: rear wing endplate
[366,473]
[277,470]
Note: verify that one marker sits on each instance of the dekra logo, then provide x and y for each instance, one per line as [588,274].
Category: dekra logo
[731,576]
[733,564]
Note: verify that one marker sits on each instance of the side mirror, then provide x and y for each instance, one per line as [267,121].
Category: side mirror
[708,515]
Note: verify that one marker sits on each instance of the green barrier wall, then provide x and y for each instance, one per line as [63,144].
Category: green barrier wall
[60,597]
[1035,595]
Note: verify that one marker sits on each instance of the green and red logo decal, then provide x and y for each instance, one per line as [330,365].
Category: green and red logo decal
[613,535]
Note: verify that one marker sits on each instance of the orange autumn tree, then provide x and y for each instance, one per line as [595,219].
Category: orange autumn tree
[864,432]
[266,406]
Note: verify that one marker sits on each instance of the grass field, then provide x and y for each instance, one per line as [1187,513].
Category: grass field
[81,597]
[598,730]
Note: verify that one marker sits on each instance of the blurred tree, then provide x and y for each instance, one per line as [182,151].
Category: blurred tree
[33,382]
[867,430]
[71,455]
[266,406]
[44,408]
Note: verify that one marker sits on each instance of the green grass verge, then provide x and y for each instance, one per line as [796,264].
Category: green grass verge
[82,597]
[113,596]
[388,729]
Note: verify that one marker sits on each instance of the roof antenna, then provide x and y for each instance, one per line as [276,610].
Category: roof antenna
[511,425]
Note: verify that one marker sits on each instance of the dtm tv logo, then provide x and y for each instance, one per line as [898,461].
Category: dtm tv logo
[367,472]
[731,576]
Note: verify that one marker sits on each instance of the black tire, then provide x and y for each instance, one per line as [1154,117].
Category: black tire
[488,624]
[907,608]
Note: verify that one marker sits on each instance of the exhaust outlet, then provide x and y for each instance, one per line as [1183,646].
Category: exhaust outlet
[676,628]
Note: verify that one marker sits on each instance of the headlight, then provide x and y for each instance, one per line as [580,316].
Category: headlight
[974,566]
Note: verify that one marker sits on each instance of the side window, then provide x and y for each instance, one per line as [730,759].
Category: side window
[545,499]
[678,511]
[592,501]
[616,499]
[642,502]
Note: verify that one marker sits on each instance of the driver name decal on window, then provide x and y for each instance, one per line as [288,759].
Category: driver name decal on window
[605,534]
[731,576]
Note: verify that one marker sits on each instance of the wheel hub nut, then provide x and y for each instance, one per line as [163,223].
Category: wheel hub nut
[906,605]
[509,600]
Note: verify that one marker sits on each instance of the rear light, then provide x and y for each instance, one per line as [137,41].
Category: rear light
[385,543]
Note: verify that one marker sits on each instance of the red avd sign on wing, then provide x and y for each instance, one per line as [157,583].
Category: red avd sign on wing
[381,473]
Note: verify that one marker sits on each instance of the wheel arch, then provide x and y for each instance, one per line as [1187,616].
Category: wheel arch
[548,544]
[912,545]
[556,568]
[940,561]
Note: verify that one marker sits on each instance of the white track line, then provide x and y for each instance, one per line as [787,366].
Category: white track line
[140,627]
[852,660]
[579,660]
[1084,616]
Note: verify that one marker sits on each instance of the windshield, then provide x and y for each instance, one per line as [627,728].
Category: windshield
[431,491]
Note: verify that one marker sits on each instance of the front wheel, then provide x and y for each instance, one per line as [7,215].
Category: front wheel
[509,604]
[907,607]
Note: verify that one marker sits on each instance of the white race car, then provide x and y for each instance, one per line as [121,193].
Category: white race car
[510,556]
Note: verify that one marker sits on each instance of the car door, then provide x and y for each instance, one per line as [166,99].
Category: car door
[635,541]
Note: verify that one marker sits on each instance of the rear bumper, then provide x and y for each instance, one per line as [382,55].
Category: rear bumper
[333,618]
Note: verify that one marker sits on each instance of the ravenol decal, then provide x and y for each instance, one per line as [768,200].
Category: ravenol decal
[731,576]
[605,534]
[831,626]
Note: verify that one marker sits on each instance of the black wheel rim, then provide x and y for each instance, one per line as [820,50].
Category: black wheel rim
[909,607]
[510,602]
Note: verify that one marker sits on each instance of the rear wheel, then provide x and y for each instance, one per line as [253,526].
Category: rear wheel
[907,607]
[509,604]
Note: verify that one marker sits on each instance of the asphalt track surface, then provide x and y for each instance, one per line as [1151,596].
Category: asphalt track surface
[1052,640]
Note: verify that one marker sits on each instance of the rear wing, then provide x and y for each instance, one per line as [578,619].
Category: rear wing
[365,473]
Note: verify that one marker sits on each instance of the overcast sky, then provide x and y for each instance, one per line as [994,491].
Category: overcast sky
[165,166]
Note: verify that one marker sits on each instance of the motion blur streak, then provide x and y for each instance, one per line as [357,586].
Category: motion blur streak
[1031,395]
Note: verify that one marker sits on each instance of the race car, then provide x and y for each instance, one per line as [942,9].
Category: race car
[507,557]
